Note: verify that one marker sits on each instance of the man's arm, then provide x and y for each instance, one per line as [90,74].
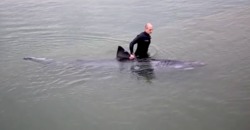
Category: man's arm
[131,45]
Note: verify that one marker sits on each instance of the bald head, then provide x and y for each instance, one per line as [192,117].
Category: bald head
[149,28]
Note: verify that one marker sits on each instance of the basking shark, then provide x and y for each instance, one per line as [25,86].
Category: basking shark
[122,61]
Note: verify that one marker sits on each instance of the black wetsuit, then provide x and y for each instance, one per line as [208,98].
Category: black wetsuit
[143,40]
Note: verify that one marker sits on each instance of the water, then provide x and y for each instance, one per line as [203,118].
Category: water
[35,96]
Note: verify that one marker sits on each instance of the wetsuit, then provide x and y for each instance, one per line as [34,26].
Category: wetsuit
[143,40]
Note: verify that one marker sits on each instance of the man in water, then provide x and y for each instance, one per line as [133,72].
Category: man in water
[143,40]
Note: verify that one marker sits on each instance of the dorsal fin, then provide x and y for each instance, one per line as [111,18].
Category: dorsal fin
[122,54]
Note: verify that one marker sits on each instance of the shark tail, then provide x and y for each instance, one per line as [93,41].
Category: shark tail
[39,60]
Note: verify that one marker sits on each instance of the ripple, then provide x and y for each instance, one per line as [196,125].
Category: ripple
[76,82]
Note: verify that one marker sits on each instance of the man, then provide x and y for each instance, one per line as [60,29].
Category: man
[143,40]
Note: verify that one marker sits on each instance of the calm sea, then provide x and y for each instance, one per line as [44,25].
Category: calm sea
[75,97]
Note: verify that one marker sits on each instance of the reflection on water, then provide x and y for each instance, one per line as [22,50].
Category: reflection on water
[143,69]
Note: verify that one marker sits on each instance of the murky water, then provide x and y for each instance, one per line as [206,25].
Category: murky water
[67,96]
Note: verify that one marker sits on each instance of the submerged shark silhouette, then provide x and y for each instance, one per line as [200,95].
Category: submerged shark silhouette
[122,57]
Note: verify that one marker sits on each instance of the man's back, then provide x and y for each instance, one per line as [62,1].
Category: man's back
[143,43]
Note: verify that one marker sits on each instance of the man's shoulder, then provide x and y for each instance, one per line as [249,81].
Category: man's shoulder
[142,34]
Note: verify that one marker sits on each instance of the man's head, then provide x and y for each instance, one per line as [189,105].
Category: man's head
[149,28]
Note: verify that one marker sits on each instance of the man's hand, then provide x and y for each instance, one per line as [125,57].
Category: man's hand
[132,57]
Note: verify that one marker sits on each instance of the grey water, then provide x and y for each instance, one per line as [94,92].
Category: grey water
[63,97]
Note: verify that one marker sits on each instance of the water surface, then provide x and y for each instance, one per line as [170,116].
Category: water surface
[35,96]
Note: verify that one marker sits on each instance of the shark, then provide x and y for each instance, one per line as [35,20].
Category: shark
[122,60]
